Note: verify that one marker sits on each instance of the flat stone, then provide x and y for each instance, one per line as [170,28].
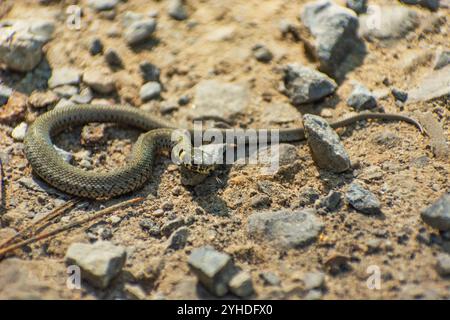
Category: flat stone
[220,99]
[335,31]
[361,98]
[305,85]
[327,150]
[103,5]
[64,76]
[362,199]
[388,23]
[433,86]
[213,269]
[19,132]
[99,79]
[242,284]
[437,215]
[285,229]
[150,90]
[99,262]
[20,49]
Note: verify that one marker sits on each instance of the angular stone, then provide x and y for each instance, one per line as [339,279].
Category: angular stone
[178,239]
[305,85]
[285,229]
[64,76]
[335,31]
[242,284]
[99,262]
[362,199]
[437,215]
[213,269]
[361,98]
[327,150]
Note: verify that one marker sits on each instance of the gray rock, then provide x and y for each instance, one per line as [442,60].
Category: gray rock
[139,31]
[262,54]
[99,262]
[5,93]
[178,239]
[95,46]
[305,85]
[112,58]
[213,269]
[149,71]
[359,6]
[361,98]
[99,79]
[331,201]
[220,99]
[430,4]
[242,284]
[151,227]
[442,59]
[395,22]
[64,76]
[335,31]
[20,49]
[327,150]
[435,85]
[443,264]
[177,10]
[103,5]
[19,132]
[437,215]
[172,225]
[313,280]
[270,278]
[67,156]
[362,199]
[285,228]
[150,90]
[399,95]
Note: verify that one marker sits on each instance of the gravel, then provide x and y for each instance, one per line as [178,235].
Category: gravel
[327,150]
[178,239]
[213,269]
[305,85]
[362,199]
[99,262]
[361,98]
[149,72]
[112,58]
[172,225]
[95,46]
[437,215]
[330,202]
[285,229]
[399,95]
[150,90]
[262,53]
[99,79]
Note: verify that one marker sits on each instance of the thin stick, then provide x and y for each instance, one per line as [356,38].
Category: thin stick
[69,226]
[50,216]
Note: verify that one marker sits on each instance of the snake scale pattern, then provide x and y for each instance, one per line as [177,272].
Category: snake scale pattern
[49,165]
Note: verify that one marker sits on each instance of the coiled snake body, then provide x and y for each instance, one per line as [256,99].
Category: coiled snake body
[48,164]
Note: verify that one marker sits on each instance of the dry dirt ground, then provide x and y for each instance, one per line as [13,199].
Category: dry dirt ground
[406,176]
